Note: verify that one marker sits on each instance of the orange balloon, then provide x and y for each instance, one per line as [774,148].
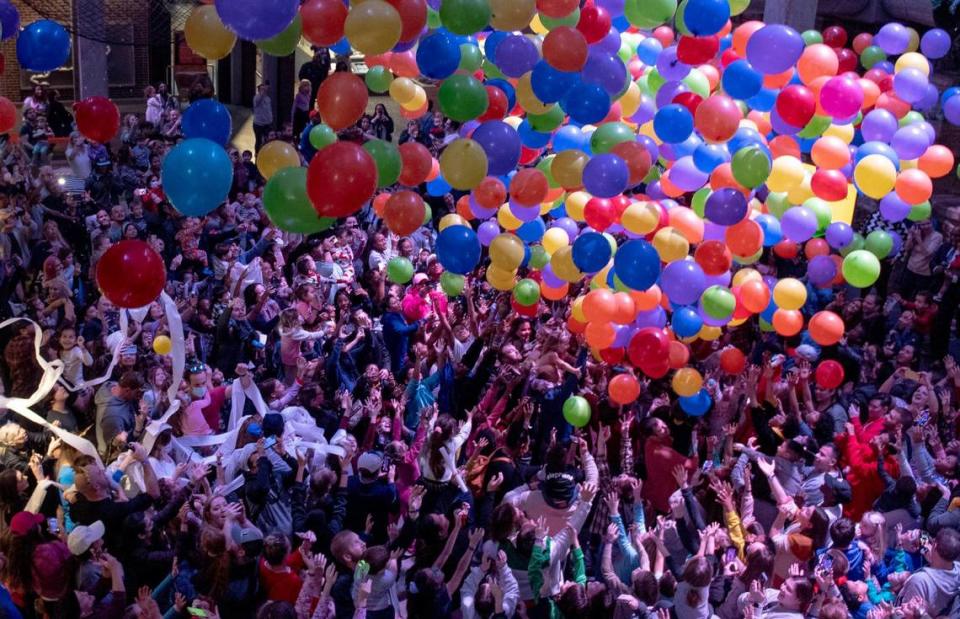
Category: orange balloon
[625,309]
[463,208]
[575,326]
[761,121]
[646,300]
[668,188]
[830,152]
[784,145]
[755,295]
[679,355]
[871,92]
[722,176]
[404,64]
[744,238]
[379,203]
[711,73]
[937,161]
[742,34]
[787,322]
[599,306]
[732,361]
[914,186]
[404,212]
[342,100]
[893,104]
[816,247]
[778,80]
[600,335]
[826,328]
[816,61]
[434,171]
[554,294]
[687,223]
[623,389]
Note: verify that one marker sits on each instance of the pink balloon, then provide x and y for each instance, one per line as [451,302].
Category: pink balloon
[841,97]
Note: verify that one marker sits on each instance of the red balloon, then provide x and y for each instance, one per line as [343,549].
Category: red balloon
[323,21]
[786,249]
[600,213]
[829,374]
[404,212]
[637,158]
[594,23]
[728,56]
[714,257]
[341,179]
[131,274]
[557,8]
[826,328]
[718,118]
[834,36]
[649,346]
[342,100]
[612,356]
[497,106]
[529,311]
[8,115]
[732,361]
[565,49]
[98,118]
[697,50]
[413,17]
[656,370]
[796,105]
[529,186]
[417,162]
[689,100]
[848,60]
[623,389]
[829,185]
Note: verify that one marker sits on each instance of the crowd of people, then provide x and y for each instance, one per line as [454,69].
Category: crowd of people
[338,445]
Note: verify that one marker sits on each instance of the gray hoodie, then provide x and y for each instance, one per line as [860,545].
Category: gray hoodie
[936,587]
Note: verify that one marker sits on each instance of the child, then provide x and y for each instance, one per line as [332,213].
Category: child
[292,336]
[383,573]
[74,356]
[279,581]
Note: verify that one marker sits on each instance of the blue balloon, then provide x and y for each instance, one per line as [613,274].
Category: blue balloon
[605,70]
[550,85]
[207,118]
[458,249]
[745,136]
[341,47]
[591,252]
[708,156]
[672,152]
[500,143]
[649,50]
[530,137]
[606,175]
[771,229]
[532,231]
[686,322]
[706,17]
[764,100]
[638,264]
[438,55]
[569,137]
[586,103]
[697,404]
[43,46]
[438,187]
[9,20]
[495,39]
[255,20]
[767,314]
[947,94]
[196,176]
[673,123]
[740,80]
[877,148]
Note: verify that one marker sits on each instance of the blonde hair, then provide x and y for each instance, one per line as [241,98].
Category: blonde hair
[304,84]
[878,544]
[289,320]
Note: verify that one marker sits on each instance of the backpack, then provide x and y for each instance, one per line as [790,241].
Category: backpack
[477,472]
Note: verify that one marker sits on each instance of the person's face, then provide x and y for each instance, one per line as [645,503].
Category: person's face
[393,303]
[858,589]
[870,304]
[118,213]
[406,247]
[875,409]
[660,429]
[372,374]
[68,339]
[130,232]
[330,243]
[365,124]
[198,380]
[905,355]
[824,395]
[23,483]
[239,309]
[103,219]
[218,510]
[524,331]
[906,319]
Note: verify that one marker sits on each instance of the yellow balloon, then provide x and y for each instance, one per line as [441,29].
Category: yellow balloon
[403,90]
[275,156]
[506,219]
[647,130]
[599,280]
[709,333]
[567,168]
[527,100]
[452,219]
[576,202]
[844,132]
[670,244]
[418,101]
[785,173]
[743,276]
[512,14]
[789,294]
[914,43]
[748,259]
[162,345]
[554,239]
[536,24]
[686,382]
[463,164]
[563,267]
[630,101]
[373,27]
[912,60]
[641,217]
[875,176]
[576,310]
[506,251]
[500,278]
[802,192]
[206,34]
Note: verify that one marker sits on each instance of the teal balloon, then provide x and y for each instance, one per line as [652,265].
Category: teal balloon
[378,79]
[879,243]
[861,269]
[287,205]
[387,158]
[526,292]
[399,270]
[196,175]
[284,43]
[576,410]
[322,135]
[452,284]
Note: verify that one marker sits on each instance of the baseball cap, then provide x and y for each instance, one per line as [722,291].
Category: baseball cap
[82,537]
[23,522]
[419,278]
[369,465]
[559,489]
[250,538]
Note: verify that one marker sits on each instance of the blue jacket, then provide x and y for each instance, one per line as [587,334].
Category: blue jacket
[396,336]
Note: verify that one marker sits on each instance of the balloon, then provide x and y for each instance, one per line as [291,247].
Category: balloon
[935,43]
[506,251]
[342,99]
[463,164]
[465,16]
[673,123]
[623,389]
[196,176]
[323,21]
[565,49]
[861,268]
[372,27]
[841,96]
[829,374]
[387,158]
[648,346]
[98,119]
[8,111]
[799,223]
[162,345]
[732,361]
[796,105]
[341,179]
[9,20]
[826,328]
[284,43]
[452,284]
[599,305]
[458,249]
[130,274]
[206,35]
[591,252]
[686,382]
[399,270]
[275,156]
[255,21]
[755,295]
[787,322]
[789,294]
[404,212]
[576,410]
[683,281]
[744,238]
[913,186]
[287,205]
[44,46]
[637,264]
[501,144]
[750,166]
[696,405]
[526,292]
[605,175]
[438,55]
[462,97]
[718,302]
[726,206]
[774,48]
[741,81]
[205,118]
[416,162]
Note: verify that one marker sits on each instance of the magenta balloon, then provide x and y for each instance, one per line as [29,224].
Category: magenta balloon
[841,96]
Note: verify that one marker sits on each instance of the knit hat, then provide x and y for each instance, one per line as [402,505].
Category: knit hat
[50,562]
[559,489]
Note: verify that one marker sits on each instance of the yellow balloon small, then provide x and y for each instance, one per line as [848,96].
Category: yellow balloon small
[162,345]
[275,156]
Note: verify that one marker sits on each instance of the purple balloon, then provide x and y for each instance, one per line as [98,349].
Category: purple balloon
[614,7]
[892,208]
[929,99]
[821,270]
[255,20]
[650,145]
[951,110]
[655,192]
[605,70]
[725,206]
[910,142]
[718,280]
[568,225]
[516,55]
[683,281]
[879,126]
[524,213]
[780,125]
[9,20]
[502,145]
[709,320]
[893,38]
[897,243]
[799,223]
[774,48]
[935,43]
[669,67]
[479,211]
[656,317]
[487,231]
[839,234]
[910,84]
[467,128]
[624,335]
[685,175]
[610,43]
[605,175]
[713,232]
[669,91]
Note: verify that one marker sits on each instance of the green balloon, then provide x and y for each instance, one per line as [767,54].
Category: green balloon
[920,212]
[576,410]
[910,118]
[538,257]
[526,292]
[822,210]
[879,243]
[861,268]
[855,244]
[544,166]
[545,123]
[433,19]
[738,6]
[322,135]
[679,20]
[811,37]
[387,158]
[655,81]
[871,56]
[649,13]
[626,52]
[451,283]
[609,135]
[765,326]
[718,302]
[470,58]
[284,43]
[816,127]
[699,201]
[465,16]
[462,97]
[777,203]
[618,285]
[491,71]
[287,205]
[697,82]
[750,166]
[427,213]
[570,19]
[399,270]
[378,79]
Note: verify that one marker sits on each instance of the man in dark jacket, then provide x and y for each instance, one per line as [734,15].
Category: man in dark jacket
[316,70]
